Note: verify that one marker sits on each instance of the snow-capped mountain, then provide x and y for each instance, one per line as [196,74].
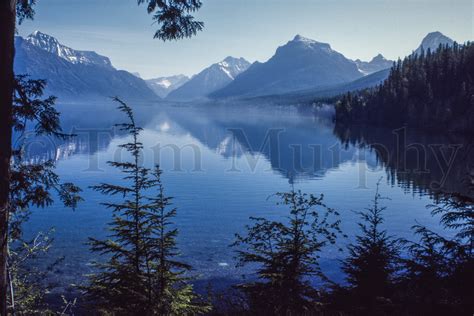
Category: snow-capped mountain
[300,64]
[74,75]
[432,42]
[210,79]
[376,64]
[162,86]
[51,45]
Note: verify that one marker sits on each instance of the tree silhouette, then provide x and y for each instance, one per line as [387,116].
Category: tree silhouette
[432,90]
[287,255]
[142,275]
[174,20]
[370,266]
[32,184]
[438,271]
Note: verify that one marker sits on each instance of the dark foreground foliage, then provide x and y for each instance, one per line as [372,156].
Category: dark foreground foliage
[32,184]
[370,267]
[433,90]
[430,275]
[385,275]
[142,274]
[288,256]
[20,101]
[438,277]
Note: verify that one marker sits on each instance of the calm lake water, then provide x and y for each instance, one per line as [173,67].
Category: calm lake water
[222,163]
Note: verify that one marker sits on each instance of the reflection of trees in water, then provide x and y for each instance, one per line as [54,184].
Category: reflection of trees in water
[308,146]
[419,161]
[295,142]
[436,273]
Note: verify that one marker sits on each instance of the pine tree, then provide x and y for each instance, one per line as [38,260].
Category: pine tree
[32,184]
[457,213]
[142,275]
[287,254]
[438,272]
[175,21]
[431,90]
[371,264]
[175,296]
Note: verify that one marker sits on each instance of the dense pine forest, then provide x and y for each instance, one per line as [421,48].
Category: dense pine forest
[432,90]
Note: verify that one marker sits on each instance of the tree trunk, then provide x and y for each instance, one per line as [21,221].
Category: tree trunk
[7,51]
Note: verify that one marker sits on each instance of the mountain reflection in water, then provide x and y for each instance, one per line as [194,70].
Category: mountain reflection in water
[222,163]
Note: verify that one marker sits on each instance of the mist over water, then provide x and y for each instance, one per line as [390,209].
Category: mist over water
[223,162]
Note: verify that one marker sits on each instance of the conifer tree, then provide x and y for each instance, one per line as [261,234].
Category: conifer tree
[287,255]
[175,21]
[32,184]
[142,275]
[439,278]
[371,264]
[457,213]
[430,90]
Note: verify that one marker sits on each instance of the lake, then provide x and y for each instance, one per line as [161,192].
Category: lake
[222,164]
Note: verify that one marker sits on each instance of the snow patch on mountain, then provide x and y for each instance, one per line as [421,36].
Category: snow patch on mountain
[74,75]
[162,86]
[301,63]
[312,44]
[210,79]
[52,45]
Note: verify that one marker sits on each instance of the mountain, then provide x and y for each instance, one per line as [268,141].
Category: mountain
[377,71]
[373,78]
[75,75]
[438,102]
[51,45]
[326,92]
[164,85]
[300,64]
[432,42]
[376,64]
[210,79]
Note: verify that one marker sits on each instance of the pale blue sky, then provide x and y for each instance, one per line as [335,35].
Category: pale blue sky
[252,29]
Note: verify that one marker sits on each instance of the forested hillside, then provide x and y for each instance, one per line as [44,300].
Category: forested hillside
[433,90]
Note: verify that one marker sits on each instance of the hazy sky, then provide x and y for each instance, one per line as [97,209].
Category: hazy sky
[252,29]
